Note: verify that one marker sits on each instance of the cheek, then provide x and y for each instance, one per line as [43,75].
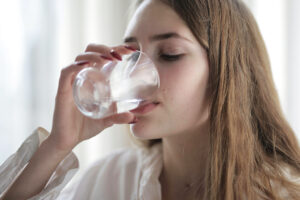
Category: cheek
[184,90]
[184,108]
[184,82]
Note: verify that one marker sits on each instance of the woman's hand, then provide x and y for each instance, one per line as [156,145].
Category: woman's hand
[70,127]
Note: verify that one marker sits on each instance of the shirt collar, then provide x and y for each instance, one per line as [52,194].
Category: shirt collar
[152,163]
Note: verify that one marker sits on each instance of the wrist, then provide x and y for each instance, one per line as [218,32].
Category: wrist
[52,145]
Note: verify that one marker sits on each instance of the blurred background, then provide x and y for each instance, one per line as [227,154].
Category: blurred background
[40,37]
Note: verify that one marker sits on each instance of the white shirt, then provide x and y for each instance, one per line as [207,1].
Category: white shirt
[127,174]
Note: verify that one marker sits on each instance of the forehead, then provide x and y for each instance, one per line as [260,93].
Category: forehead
[153,17]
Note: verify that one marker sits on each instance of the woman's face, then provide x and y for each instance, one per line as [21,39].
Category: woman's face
[183,69]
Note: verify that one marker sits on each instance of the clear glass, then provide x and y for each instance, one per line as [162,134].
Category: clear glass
[116,87]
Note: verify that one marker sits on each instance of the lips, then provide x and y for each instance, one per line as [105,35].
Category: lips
[144,107]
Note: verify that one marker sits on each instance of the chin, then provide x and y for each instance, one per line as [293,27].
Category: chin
[144,133]
[140,134]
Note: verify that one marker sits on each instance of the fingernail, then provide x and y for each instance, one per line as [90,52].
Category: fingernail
[106,58]
[130,48]
[83,62]
[116,55]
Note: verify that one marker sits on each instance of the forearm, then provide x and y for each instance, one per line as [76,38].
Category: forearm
[38,171]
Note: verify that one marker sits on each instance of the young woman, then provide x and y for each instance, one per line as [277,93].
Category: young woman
[217,132]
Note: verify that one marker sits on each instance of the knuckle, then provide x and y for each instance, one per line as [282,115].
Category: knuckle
[79,56]
[119,48]
[90,46]
[63,70]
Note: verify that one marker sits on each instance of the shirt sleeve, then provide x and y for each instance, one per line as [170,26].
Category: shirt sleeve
[15,164]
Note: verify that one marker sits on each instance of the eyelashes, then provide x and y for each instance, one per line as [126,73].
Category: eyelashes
[170,58]
[169,53]
[162,57]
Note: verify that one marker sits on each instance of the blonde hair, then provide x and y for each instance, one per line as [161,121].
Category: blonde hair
[252,146]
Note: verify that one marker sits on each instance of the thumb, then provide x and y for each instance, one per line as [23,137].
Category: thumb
[121,118]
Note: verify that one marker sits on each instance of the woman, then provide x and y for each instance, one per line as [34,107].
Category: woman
[217,133]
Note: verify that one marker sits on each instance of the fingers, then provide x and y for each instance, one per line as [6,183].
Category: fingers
[98,125]
[114,53]
[94,55]
[122,50]
[121,118]
[68,73]
[101,49]
[97,53]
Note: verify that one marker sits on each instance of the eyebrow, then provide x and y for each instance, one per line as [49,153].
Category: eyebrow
[158,37]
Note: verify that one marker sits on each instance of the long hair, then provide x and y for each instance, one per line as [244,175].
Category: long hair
[253,151]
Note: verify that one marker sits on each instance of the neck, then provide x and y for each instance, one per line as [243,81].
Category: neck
[184,164]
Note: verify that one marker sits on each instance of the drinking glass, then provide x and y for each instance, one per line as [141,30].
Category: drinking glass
[115,87]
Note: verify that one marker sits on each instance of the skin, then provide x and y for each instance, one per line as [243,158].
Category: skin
[182,117]
[69,127]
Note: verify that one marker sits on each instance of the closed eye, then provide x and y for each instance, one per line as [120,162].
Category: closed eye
[170,58]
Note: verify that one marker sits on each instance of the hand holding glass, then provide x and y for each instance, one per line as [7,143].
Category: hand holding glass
[116,87]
